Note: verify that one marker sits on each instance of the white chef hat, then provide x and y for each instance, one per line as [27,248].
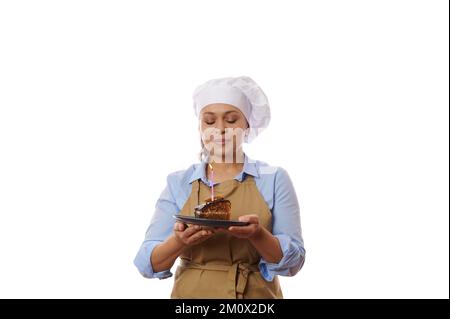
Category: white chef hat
[241,92]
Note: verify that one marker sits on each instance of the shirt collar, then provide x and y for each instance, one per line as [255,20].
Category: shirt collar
[250,168]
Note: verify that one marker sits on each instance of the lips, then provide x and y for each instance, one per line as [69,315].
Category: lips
[222,141]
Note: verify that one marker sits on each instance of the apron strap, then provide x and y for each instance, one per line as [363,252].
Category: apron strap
[198,192]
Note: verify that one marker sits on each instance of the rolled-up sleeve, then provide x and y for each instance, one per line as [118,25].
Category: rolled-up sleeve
[286,228]
[159,230]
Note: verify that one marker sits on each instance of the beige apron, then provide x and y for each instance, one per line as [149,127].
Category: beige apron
[225,266]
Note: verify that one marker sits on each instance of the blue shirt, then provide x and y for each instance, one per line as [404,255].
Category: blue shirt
[278,192]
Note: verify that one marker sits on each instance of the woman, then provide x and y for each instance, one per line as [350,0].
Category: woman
[241,261]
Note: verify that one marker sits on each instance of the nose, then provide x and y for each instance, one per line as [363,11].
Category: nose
[221,126]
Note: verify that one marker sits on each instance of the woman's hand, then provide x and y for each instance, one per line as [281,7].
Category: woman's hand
[191,235]
[249,231]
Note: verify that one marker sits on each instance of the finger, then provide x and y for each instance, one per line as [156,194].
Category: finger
[252,219]
[199,235]
[191,230]
[210,231]
[178,226]
[203,232]
[241,229]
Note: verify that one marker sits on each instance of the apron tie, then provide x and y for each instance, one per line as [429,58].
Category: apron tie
[243,271]
[237,276]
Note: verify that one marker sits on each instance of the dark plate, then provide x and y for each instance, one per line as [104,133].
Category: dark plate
[209,222]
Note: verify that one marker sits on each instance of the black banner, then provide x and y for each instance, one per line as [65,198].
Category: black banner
[286,308]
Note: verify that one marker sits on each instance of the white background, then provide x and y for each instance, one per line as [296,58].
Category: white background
[96,110]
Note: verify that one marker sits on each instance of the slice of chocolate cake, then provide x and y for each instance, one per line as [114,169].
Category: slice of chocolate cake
[219,208]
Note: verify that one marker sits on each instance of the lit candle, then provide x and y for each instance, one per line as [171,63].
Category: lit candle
[211,182]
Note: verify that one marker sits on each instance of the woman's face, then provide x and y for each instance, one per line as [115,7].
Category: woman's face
[222,128]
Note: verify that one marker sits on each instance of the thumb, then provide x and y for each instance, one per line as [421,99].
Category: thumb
[253,219]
